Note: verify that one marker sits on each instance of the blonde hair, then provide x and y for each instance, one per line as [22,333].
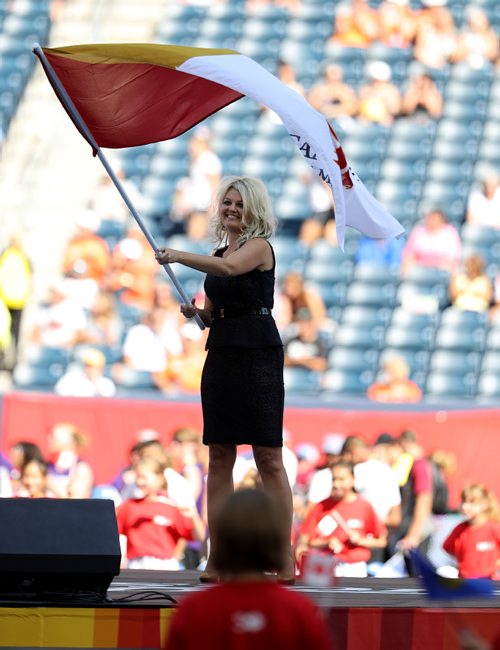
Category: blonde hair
[478,490]
[258,218]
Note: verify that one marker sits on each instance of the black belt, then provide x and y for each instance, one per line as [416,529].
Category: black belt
[234,313]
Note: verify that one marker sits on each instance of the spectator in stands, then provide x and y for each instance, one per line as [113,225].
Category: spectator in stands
[379,98]
[143,348]
[332,96]
[310,232]
[472,289]
[433,242]
[395,385]
[152,524]
[184,370]
[436,38]
[297,295]
[345,525]
[197,226]
[248,609]
[483,205]
[193,192]
[60,322]
[397,24]
[356,24]
[133,274]
[320,201]
[475,542]
[171,320]
[477,43]
[87,254]
[108,203]
[87,379]
[34,480]
[379,252]
[69,476]
[104,325]
[306,347]
[422,99]
[15,286]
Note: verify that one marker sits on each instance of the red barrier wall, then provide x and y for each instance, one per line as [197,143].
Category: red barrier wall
[112,424]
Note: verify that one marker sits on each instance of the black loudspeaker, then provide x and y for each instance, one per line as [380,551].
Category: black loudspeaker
[58,546]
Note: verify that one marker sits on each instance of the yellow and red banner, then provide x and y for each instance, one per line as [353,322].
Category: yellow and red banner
[130,94]
[84,627]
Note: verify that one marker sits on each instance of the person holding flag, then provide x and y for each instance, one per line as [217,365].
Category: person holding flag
[242,388]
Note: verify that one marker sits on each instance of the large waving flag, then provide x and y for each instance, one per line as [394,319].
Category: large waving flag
[441,588]
[133,94]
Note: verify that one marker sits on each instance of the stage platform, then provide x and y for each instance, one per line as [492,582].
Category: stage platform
[362,614]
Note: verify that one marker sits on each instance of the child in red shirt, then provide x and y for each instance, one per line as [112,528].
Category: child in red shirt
[476,541]
[152,524]
[249,609]
[344,524]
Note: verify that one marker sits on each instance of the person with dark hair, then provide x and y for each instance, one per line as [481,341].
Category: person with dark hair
[247,610]
[344,525]
[242,387]
[33,481]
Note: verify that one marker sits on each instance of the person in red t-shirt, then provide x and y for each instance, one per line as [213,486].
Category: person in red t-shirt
[153,525]
[476,541]
[344,524]
[248,609]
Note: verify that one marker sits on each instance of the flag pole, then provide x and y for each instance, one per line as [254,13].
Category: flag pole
[79,122]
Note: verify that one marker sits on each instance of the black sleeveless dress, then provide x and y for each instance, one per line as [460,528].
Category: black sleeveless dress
[242,390]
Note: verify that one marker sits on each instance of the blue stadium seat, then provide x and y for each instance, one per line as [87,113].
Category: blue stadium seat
[488,386]
[359,336]
[454,361]
[324,272]
[366,293]
[410,319]
[346,382]
[349,358]
[301,381]
[440,384]
[368,316]
[34,377]
[415,338]
[129,378]
[458,338]
[453,317]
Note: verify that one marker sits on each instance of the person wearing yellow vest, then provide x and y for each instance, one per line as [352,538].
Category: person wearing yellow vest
[15,284]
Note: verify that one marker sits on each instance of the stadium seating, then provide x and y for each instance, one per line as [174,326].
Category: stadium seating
[410,166]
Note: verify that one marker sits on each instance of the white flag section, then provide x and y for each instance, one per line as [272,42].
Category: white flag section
[354,205]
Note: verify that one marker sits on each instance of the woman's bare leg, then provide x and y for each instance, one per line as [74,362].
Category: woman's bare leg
[220,486]
[269,461]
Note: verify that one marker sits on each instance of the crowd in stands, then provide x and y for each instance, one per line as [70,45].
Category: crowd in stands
[114,317]
[364,504]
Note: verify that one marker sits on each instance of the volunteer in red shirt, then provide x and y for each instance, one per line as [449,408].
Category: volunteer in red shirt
[476,542]
[153,526]
[344,524]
